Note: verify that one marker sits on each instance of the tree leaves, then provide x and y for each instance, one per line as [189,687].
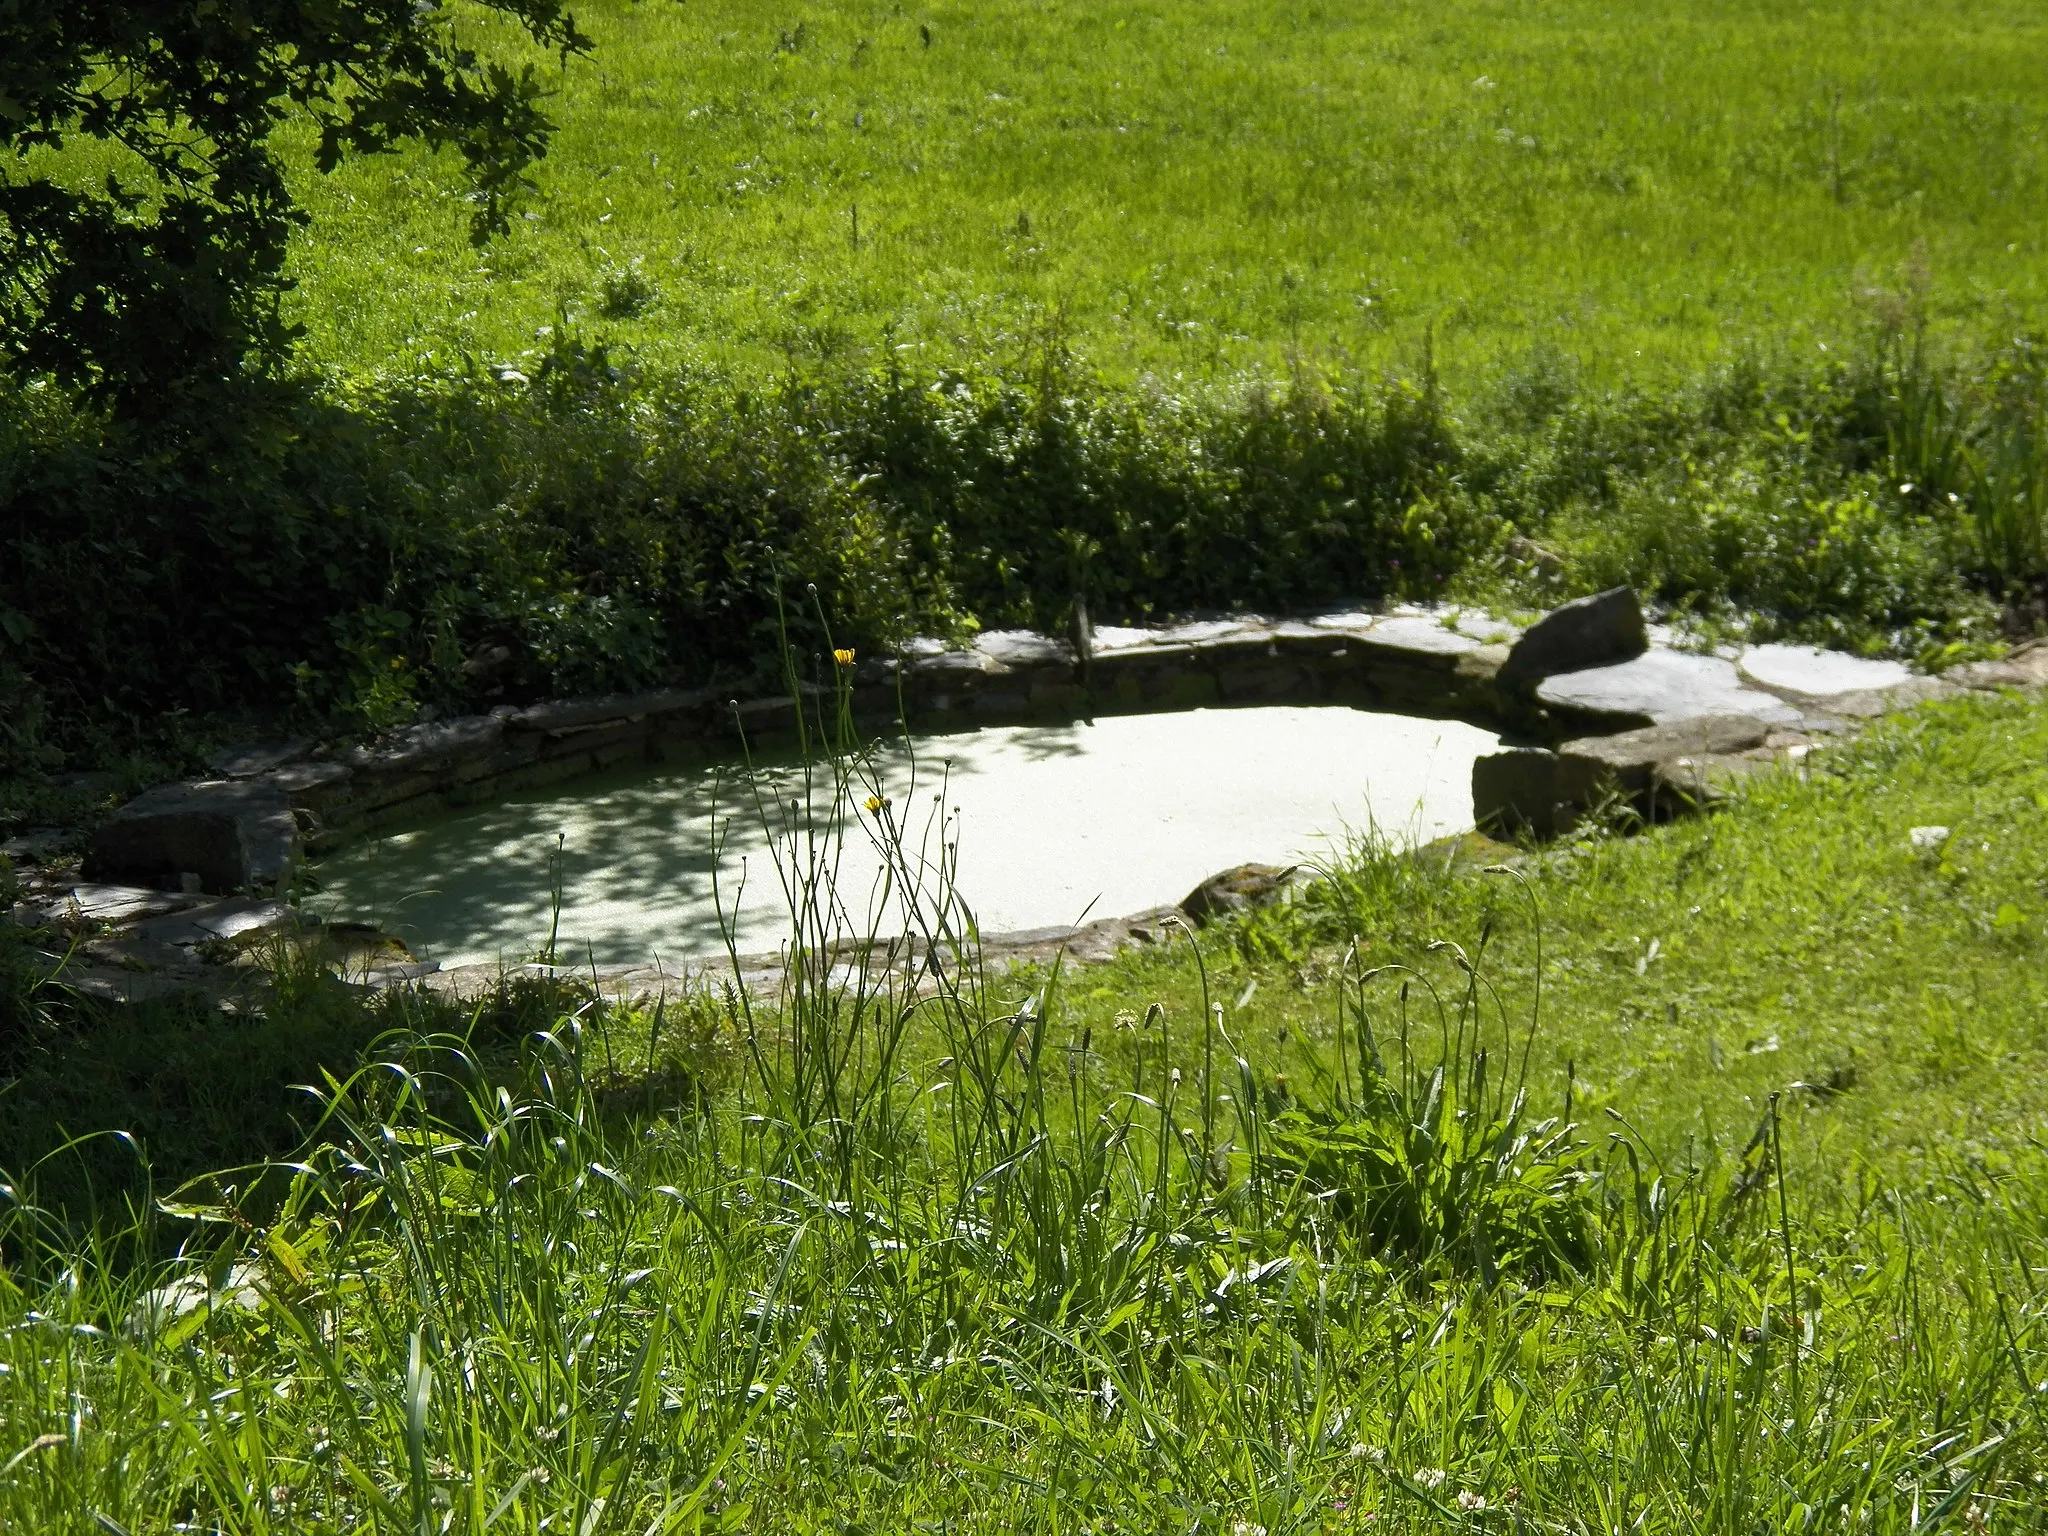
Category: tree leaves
[168,275]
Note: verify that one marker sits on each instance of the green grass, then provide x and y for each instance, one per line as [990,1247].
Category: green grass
[1203,188]
[1031,1252]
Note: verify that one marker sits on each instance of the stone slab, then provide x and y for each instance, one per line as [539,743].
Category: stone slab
[253,759]
[2025,667]
[37,843]
[1486,629]
[956,666]
[1422,637]
[1630,756]
[560,715]
[1024,648]
[1109,638]
[310,784]
[98,903]
[230,833]
[428,748]
[221,922]
[1868,703]
[1812,673]
[1703,781]
[1656,688]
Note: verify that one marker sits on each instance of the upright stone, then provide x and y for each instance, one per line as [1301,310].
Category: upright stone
[1520,789]
[1586,632]
[234,836]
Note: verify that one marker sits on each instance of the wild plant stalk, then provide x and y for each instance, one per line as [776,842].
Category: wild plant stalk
[891,1275]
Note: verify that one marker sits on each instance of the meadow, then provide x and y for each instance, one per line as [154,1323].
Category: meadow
[1199,191]
[1679,1182]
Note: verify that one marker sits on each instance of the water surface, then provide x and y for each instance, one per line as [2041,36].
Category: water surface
[1045,825]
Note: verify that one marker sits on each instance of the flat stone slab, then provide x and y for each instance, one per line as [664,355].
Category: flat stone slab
[253,759]
[1024,648]
[1486,629]
[1710,778]
[2025,667]
[425,748]
[117,904]
[1425,635]
[1352,621]
[37,843]
[562,715]
[958,665]
[1813,673]
[1869,703]
[230,922]
[1659,687]
[1122,637]
[1630,756]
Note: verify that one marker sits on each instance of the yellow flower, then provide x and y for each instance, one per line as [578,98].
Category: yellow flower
[844,658]
[875,803]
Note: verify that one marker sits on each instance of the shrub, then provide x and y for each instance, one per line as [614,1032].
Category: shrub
[581,523]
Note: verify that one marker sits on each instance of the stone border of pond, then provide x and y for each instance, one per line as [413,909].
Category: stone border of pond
[1592,702]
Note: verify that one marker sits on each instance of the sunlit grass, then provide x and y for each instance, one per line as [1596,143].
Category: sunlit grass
[1203,187]
[1149,1247]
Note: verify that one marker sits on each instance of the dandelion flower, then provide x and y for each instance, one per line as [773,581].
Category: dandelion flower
[875,803]
[843,658]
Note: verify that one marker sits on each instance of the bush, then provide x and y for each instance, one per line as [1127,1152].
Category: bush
[356,555]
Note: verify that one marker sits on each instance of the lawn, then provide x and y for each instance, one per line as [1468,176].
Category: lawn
[1745,1232]
[1203,188]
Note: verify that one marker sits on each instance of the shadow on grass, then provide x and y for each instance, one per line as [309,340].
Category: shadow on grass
[110,1105]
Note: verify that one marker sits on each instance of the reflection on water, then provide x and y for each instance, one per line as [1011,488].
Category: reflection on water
[1052,823]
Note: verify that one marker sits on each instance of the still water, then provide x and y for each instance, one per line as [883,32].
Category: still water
[1043,825]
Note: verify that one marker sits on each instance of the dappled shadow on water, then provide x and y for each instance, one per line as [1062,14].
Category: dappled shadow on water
[1119,815]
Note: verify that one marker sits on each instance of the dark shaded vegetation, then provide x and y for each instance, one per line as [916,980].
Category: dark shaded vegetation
[450,542]
[104,1104]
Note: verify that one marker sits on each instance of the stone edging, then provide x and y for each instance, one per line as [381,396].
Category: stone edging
[1602,702]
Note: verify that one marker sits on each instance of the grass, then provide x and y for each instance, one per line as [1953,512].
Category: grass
[1692,973]
[1686,1182]
[1203,189]
[1743,1231]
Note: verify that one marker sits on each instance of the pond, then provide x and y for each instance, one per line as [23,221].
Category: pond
[1042,825]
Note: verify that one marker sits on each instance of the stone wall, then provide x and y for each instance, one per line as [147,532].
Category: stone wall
[1590,668]
[1592,704]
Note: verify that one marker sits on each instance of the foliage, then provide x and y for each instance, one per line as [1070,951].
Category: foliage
[950,1251]
[589,522]
[167,270]
[457,542]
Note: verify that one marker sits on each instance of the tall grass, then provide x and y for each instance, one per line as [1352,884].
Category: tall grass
[1979,442]
[926,1258]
